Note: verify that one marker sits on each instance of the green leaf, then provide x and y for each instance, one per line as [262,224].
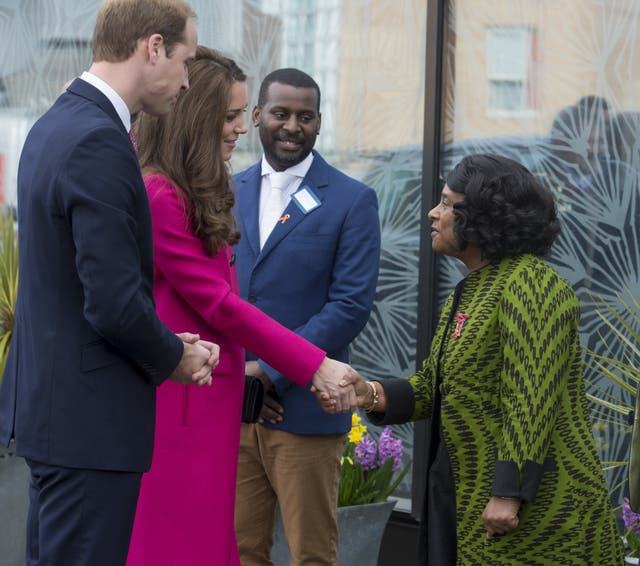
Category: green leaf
[8,284]
[358,487]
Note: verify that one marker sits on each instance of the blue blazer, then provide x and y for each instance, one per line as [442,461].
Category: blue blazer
[316,275]
[88,348]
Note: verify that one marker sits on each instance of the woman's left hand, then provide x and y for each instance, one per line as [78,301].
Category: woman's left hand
[500,516]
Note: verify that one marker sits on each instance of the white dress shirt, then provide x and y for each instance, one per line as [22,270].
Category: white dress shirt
[299,171]
[121,108]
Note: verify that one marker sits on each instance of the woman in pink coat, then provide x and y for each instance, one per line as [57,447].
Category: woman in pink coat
[186,504]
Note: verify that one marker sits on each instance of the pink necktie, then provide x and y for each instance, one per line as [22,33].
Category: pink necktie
[132,137]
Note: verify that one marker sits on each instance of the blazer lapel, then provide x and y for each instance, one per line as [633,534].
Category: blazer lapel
[248,198]
[317,179]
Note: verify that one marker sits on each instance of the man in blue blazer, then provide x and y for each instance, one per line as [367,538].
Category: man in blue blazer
[88,350]
[311,262]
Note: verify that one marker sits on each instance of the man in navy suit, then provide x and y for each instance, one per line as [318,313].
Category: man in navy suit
[88,350]
[308,257]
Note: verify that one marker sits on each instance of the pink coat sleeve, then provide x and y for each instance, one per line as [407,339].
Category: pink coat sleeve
[199,279]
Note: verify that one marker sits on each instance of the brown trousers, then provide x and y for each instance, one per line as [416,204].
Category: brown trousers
[299,472]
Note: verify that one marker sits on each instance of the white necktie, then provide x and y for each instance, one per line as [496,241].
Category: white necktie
[275,203]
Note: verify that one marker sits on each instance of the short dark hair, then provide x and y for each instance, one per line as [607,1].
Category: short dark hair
[288,76]
[121,23]
[506,211]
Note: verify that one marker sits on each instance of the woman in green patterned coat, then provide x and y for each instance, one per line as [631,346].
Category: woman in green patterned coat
[513,477]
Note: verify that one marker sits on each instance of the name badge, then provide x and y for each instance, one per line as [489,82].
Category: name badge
[306,199]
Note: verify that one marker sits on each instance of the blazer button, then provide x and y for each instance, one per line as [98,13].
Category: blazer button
[252,298]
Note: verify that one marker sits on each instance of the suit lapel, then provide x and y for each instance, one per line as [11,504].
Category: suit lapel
[317,179]
[248,197]
[83,88]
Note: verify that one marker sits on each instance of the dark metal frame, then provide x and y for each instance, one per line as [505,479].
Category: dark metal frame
[401,536]
[427,296]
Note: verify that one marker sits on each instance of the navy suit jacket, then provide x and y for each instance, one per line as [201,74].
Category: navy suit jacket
[88,348]
[316,275]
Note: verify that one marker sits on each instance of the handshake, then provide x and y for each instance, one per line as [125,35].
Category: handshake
[337,386]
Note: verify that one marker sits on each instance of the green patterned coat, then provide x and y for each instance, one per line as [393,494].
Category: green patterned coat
[515,419]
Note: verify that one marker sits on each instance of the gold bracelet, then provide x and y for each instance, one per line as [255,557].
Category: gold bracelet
[376,398]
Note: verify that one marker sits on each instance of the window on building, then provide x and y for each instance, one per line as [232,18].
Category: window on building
[511,66]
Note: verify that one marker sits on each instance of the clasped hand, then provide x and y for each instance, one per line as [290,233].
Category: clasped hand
[198,359]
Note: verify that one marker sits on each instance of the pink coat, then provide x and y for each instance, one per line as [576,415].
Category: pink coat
[186,504]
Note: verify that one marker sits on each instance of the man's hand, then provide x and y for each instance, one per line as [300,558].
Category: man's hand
[500,516]
[214,351]
[272,410]
[190,338]
[334,379]
[198,359]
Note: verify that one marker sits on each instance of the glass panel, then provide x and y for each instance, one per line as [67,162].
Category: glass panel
[42,45]
[507,51]
[370,70]
[366,55]
[581,139]
[506,95]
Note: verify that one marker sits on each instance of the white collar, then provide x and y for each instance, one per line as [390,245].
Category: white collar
[115,99]
[299,169]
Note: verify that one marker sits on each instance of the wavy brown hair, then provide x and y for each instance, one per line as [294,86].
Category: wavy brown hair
[185,145]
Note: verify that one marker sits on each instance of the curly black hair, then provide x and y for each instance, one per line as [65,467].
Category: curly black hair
[506,211]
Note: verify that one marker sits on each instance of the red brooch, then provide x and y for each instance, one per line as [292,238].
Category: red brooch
[460,320]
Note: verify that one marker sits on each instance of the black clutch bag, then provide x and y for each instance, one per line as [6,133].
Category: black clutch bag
[253,399]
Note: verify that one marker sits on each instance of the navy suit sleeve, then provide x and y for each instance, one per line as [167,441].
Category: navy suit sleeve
[353,283]
[103,198]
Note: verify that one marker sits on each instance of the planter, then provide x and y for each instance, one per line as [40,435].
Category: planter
[360,530]
[14,504]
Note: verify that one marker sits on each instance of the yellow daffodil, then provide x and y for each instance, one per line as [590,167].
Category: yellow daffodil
[357,429]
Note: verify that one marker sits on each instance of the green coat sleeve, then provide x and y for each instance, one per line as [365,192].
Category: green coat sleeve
[407,399]
[538,320]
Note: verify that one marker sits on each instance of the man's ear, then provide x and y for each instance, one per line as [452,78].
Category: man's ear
[319,123]
[154,43]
